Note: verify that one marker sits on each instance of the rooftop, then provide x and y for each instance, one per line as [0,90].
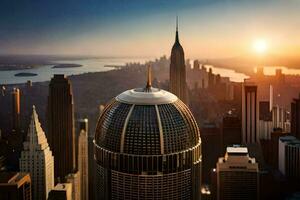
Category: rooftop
[290,140]
[237,149]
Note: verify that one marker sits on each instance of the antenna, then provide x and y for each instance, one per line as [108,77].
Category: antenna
[176,22]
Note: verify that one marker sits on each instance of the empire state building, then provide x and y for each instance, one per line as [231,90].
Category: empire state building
[177,70]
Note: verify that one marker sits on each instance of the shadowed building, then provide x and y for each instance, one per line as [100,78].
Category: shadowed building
[231,131]
[147,146]
[289,158]
[211,148]
[15,186]
[60,120]
[295,117]
[37,159]
[177,70]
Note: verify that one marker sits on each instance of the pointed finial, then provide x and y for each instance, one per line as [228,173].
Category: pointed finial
[176,22]
[177,37]
[149,84]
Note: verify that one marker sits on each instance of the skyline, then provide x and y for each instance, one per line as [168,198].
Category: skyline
[119,29]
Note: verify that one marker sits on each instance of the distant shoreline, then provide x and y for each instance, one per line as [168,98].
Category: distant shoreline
[67,65]
[13,67]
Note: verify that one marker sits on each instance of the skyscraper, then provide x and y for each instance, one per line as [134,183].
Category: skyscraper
[60,118]
[177,70]
[83,158]
[265,123]
[237,175]
[147,146]
[231,131]
[295,117]
[249,114]
[37,159]
[15,186]
[15,94]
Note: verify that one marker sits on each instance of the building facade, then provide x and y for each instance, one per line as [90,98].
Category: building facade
[231,131]
[61,132]
[295,117]
[237,175]
[15,186]
[74,179]
[249,114]
[147,146]
[83,159]
[37,160]
[177,70]
[289,157]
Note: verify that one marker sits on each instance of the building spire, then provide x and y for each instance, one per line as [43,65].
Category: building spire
[177,37]
[149,82]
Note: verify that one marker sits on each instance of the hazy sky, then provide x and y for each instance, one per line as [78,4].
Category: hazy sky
[207,28]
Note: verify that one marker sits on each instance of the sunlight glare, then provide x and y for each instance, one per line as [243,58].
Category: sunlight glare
[260,46]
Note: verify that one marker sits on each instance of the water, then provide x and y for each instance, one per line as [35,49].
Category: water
[233,75]
[268,70]
[46,72]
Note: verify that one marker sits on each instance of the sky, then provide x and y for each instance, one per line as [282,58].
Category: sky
[207,28]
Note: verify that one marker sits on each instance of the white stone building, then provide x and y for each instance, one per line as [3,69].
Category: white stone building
[37,159]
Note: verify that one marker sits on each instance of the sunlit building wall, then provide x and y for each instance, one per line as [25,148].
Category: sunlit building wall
[249,114]
[37,160]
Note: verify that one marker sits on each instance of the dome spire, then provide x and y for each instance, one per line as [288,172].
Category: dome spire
[149,82]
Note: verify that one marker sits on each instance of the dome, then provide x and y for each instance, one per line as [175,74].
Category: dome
[146,122]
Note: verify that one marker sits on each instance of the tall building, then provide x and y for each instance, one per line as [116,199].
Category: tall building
[237,175]
[37,160]
[62,191]
[16,121]
[231,131]
[211,148]
[289,157]
[61,133]
[249,114]
[265,123]
[83,158]
[15,186]
[91,168]
[147,146]
[279,117]
[295,117]
[178,70]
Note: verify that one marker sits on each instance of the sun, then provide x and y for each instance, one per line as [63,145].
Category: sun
[260,46]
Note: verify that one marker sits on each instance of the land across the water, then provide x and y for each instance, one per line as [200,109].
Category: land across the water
[66,65]
[25,74]
[12,67]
